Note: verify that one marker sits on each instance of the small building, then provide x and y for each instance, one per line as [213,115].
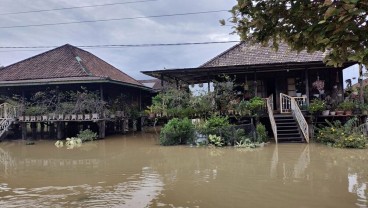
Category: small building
[68,68]
[281,76]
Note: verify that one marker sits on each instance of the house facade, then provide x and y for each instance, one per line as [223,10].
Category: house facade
[69,69]
[281,76]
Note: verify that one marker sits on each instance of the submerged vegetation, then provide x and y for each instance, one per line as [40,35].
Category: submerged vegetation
[75,142]
[349,135]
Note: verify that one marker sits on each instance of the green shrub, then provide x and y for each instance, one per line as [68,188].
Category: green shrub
[215,140]
[316,106]
[346,106]
[87,135]
[255,104]
[215,124]
[262,135]
[177,131]
[348,135]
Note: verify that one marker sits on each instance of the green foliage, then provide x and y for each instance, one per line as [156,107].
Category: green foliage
[215,140]
[335,27]
[215,123]
[247,143]
[224,92]
[316,105]
[346,105]
[256,104]
[87,135]
[177,131]
[262,135]
[348,135]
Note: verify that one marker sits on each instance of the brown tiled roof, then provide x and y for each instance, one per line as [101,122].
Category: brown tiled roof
[63,62]
[256,54]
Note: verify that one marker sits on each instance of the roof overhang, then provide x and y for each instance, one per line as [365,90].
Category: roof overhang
[206,74]
[68,80]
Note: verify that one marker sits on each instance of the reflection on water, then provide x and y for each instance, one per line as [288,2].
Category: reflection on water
[133,171]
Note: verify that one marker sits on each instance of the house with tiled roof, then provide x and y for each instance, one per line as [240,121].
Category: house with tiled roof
[66,69]
[279,76]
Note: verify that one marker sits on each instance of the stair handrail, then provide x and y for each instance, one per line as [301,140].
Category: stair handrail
[297,113]
[269,103]
[7,111]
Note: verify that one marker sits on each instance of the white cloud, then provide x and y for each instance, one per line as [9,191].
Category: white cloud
[193,28]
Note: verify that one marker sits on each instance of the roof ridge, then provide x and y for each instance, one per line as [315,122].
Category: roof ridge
[113,67]
[223,53]
[35,56]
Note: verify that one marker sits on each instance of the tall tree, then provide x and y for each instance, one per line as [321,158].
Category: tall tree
[337,27]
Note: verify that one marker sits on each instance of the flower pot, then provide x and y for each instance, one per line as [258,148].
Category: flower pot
[61,117]
[87,116]
[80,116]
[332,113]
[44,118]
[325,112]
[38,118]
[74,117]
[316,95]
[365,112]
[151,115]
[20,118]
[33,118]
[95,116]
[339,113]
[112,116]
[67,117]
[298,94]
[27,118]
[321,92]
[348,112]
[52,116]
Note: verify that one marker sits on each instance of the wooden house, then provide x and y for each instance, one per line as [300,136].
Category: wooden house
[67,68]
[285,78]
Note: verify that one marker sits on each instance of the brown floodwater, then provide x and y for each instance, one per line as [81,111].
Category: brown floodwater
[133,171]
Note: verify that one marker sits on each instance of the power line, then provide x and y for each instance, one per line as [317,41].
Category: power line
[120,45]
[116,19]
[76,7]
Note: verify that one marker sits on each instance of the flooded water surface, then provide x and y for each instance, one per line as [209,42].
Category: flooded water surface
[133,171]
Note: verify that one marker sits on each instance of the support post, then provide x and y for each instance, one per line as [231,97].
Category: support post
[24,130]
[102,129]
[42,130]
[59,126]
[361,85]
[306,73]
[34,130]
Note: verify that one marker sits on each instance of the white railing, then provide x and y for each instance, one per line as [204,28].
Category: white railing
[285,102]
[269,103]
[291,105]
[7,111]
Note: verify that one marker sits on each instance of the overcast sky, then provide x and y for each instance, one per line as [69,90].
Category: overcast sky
[191,28]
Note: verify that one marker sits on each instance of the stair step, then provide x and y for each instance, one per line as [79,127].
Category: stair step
[288,135]
[286,124]
[288,130]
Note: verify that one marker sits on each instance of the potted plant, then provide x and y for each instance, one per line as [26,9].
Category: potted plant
[319,85]
[347,106]
[316,106]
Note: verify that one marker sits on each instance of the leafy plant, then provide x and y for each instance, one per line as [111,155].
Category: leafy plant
[348,135]
[87,135]
[255,104]
[316,105]
[216,123]
[262,135]
[215,140]
[177,131]
[346,105]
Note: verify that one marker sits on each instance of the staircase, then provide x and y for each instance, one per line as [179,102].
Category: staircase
[287,128]
[7,117]
[4,126]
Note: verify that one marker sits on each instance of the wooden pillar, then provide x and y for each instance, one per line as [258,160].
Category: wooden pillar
[59,133]
[255,85]
[51,130]
[102,129]
[24,130]
[34,130]
[208,83]
[177,84]
[306,73]
[42,130]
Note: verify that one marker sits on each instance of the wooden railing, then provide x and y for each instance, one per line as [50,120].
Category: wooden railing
[269,104]
[7,111]
[285,102]
[290,104]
